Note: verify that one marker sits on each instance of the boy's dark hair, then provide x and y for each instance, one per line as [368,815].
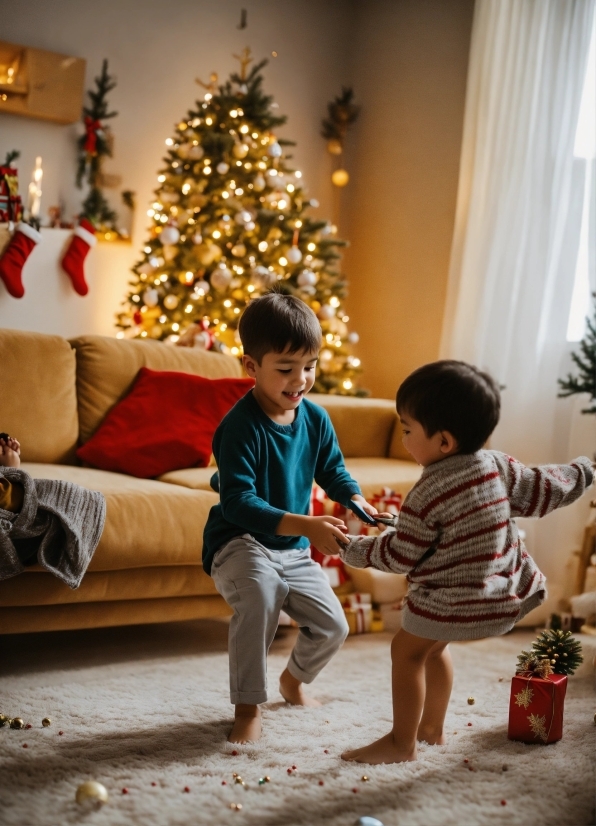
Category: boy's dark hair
[276,321]
[453,396]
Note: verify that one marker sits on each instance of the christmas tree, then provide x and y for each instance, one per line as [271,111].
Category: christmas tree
[229,222]
[585,361]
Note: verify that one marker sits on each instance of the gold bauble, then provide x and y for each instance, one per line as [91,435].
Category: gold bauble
[334,146]
[340,177]
[240,150]
[471,701]
[238,294]
[46,722]
[275,233]
[208,253]
[239,250]
[315,306]
[171,301]
[4,720]
[92,790]
[17,722]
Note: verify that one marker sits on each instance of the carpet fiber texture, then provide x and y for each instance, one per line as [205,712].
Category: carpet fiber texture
[146,709]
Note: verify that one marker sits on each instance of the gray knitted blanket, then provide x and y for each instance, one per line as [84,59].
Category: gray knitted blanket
[59,526]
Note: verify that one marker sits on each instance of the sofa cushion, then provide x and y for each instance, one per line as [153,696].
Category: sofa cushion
[375,474]
[38,587]
[363,426]
[166,422]
[195,477]
[108,367]
[148,523]
[38,403]
[372,474]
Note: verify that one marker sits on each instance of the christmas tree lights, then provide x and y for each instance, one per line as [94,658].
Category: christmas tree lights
[229,222]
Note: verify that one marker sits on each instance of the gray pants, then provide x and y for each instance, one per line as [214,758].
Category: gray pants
[257,583]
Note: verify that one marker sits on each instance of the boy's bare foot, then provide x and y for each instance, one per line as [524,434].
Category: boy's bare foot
[10,451]
[384,750]
[247,724]
[431,736]
[292,691]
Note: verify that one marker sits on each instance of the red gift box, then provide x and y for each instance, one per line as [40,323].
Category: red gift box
[536,708]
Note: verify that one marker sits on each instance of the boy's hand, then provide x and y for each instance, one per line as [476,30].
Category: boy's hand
[360,500]
[326,533]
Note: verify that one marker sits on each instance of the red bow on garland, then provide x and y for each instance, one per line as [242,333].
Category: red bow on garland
[91,128]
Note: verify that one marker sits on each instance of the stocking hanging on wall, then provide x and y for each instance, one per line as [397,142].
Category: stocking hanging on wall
[13,259]
[73,263]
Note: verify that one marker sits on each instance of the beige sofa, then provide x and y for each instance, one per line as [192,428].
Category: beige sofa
[147,567]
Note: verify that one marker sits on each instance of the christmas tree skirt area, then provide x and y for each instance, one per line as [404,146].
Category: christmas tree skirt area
[144,711]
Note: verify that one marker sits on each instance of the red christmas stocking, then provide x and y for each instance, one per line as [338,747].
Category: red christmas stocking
[14,257]
[74,258]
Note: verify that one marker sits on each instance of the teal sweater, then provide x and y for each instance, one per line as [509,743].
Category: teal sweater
[266,470]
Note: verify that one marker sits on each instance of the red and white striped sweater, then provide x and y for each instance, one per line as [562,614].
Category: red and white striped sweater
[468,571]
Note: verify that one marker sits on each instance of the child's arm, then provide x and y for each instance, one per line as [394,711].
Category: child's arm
[396,551]
[540,490]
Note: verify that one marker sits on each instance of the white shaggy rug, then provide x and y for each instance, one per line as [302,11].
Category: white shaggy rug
[146,709]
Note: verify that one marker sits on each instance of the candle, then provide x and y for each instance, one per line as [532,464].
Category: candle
[34,199]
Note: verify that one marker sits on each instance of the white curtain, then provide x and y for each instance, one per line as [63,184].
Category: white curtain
[518,213]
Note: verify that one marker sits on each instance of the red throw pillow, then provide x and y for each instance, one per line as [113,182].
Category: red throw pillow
[166,422]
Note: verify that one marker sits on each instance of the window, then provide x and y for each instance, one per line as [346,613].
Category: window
[585,152]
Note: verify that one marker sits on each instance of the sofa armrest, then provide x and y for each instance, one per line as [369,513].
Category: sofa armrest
[364,427]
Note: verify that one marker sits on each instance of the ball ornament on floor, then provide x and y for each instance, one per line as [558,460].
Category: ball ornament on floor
[91,790]
[17,722]
[471,701]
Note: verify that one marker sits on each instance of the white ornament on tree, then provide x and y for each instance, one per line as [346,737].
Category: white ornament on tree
[222,167]
[243,217]
[220,278]
[197,238]
[353,338]
[307,278]
[151,297]
[263,277]
[196,153]
[274,150]
[326,312]
[259,183]
[169,235]
[201,288]
[294,255]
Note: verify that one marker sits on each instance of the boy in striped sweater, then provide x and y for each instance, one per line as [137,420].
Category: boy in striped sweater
[469,575]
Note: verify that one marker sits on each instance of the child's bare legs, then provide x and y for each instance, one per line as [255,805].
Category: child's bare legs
[247,724]
[291,689]
[438,671]
[10,451]
[409,655]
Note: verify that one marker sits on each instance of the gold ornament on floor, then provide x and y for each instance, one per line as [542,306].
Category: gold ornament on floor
[365,778]
[471,701]
[91,790]
[17,722]
[46,722]
[4,720]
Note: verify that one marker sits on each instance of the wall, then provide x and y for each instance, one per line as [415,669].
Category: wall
[410,65]
[156,50]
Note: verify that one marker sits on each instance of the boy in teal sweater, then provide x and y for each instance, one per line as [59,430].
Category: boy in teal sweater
[269,448]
